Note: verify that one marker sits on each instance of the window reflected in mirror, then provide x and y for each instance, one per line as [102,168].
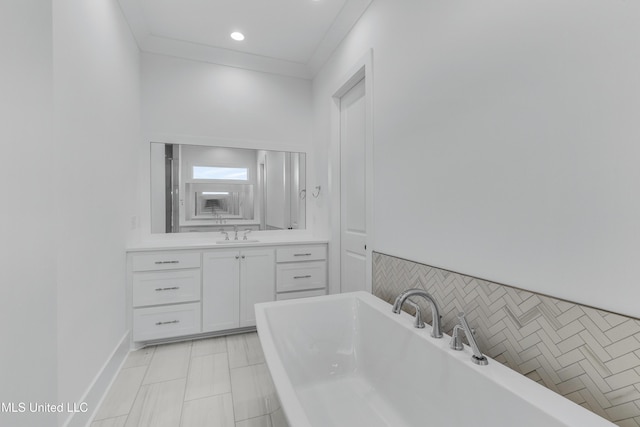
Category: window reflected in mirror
[219,173]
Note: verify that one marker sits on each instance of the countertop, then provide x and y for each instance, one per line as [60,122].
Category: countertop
[178,241]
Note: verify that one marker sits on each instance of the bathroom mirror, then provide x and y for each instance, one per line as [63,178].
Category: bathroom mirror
[203,188]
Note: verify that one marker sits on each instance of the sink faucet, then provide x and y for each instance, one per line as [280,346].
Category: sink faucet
[435,311]
[235,230]
[456,343]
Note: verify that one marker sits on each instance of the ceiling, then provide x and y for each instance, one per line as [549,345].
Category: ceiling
[290,37]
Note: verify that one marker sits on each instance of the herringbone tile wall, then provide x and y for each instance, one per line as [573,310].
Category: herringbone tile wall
[587,355]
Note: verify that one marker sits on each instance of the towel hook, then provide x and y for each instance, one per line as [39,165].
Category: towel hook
[316,193]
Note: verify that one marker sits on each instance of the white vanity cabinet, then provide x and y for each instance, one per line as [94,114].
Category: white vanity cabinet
[232,282]
[210,289]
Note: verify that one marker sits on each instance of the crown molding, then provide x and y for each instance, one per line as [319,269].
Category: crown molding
[148,42]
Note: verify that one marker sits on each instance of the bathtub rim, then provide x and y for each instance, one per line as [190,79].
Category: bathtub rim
[554,404]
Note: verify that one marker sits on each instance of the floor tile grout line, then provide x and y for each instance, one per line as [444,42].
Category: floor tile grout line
[260,416]
[210,395]
[233,401]
[184,391]
[186,384]
[171,379]
[141,384]
[205,397]
[165,381]
[186,381]
[233,411]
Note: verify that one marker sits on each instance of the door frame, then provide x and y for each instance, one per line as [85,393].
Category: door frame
[362,68]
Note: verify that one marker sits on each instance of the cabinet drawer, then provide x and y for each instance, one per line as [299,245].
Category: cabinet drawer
[301,275]
[165,322]
[165,261]
[166,287]
[301,253]
[303,294]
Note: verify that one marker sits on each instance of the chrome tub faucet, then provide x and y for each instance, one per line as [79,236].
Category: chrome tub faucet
[435,311]
[456,342]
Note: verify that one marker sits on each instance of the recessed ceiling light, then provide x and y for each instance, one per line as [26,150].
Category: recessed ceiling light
[237,36]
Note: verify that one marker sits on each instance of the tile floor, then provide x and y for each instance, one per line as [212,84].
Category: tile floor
[217,382]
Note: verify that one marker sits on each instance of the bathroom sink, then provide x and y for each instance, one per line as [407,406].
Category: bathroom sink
[230,242]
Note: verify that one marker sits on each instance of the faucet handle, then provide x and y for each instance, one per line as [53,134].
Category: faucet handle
[419,323]
[478,358]
[247,231]
[456,342]
[226,235]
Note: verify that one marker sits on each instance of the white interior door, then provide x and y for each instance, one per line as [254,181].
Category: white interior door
[353,190]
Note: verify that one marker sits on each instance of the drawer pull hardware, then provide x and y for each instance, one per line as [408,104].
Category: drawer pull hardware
[167,323]
[302,277]
[167,262]
[307,254]
[173,288]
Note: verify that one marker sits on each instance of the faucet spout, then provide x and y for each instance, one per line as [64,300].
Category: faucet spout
[435,311]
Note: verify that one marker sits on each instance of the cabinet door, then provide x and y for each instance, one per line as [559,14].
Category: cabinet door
[220,290]
[257,282]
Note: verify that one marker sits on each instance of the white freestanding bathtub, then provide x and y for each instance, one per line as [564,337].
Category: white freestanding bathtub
[347,360]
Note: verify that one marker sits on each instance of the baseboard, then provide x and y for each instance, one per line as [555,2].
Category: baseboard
[96,392]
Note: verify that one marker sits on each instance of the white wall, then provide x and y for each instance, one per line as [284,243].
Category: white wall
[508,132]
[96,137]
[28,327]
[192,102]
[196,99]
